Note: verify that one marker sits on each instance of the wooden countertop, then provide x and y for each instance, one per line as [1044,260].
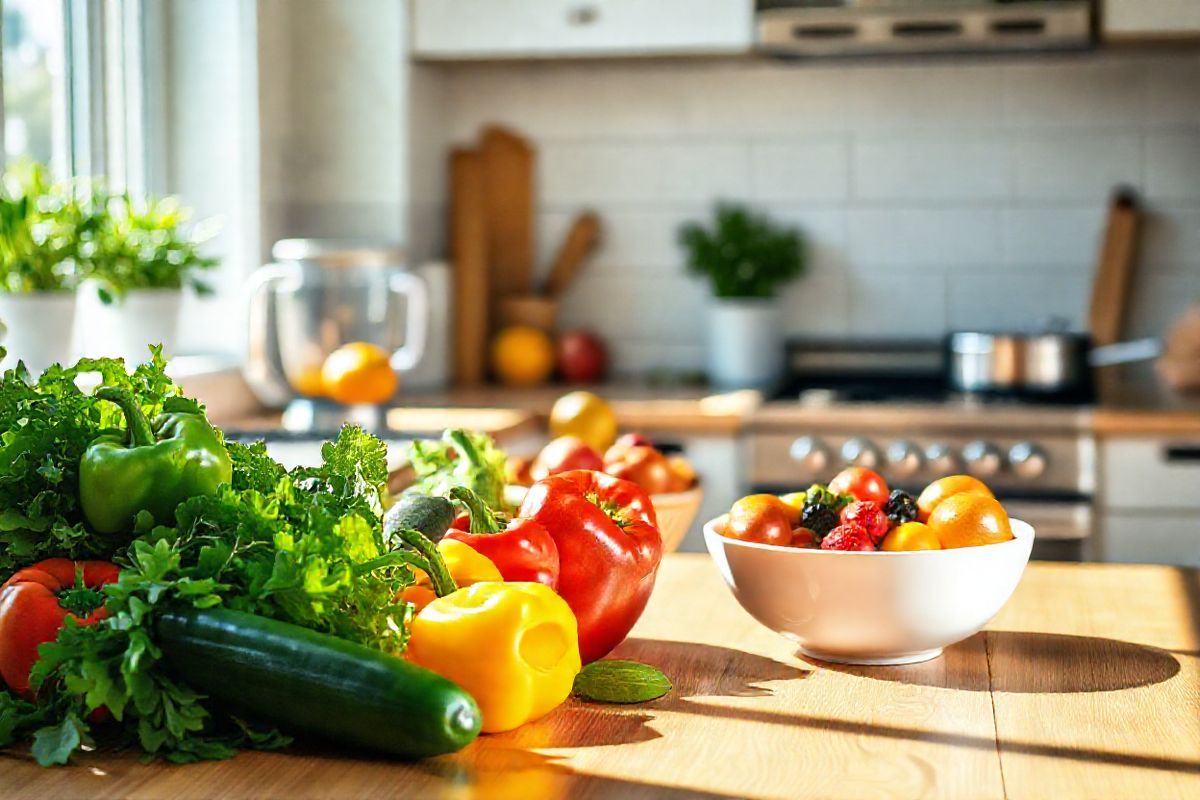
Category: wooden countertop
[1086,685]
[641,408]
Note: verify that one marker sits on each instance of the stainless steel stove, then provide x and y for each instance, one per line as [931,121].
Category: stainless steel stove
[885,406]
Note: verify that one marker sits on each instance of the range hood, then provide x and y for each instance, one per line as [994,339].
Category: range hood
[812,28]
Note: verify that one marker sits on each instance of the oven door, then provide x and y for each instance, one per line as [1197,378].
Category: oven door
[1062,528]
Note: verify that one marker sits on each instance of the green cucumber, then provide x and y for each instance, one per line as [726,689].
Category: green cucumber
[432,516]
[303,680]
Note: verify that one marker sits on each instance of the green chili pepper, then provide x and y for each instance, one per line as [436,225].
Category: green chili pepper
[154,467]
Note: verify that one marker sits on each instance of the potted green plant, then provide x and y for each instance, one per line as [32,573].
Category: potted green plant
[747,259]
[41,225]
[139,259]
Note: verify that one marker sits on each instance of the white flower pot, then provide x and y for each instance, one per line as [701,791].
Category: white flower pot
[39,328]
[125,328]
[745,344]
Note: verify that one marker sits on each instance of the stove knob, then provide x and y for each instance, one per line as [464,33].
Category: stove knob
[810,453]
[942,459]
[904,459]
[1027,460]
[983,458]
[859,452]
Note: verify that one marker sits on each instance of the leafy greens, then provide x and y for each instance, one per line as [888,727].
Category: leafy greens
[291,545]
[459,458]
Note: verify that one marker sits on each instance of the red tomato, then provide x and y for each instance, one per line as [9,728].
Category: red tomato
[862,483]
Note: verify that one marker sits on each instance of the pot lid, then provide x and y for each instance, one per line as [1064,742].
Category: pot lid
[340,252]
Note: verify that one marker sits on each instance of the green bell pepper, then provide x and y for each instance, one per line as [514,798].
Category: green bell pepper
[152,468]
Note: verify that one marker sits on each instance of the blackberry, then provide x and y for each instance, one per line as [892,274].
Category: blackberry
[820,518]
[900,507]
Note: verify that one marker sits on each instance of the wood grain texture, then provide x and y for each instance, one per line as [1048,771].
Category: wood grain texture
[508,160]
[1115,270]
[1085,686]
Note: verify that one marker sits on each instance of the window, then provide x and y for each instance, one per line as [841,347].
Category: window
[73,90]
[35,83]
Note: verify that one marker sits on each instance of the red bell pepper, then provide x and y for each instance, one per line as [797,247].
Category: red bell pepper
[522,551]
[34,604]
[608,549]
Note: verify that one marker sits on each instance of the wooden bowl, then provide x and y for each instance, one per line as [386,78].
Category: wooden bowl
[532,310]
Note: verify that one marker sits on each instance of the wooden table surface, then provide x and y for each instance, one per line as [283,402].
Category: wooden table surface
[1086,685]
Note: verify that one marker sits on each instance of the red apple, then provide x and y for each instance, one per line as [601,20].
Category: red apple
[623,444]
[582,357]
[562,455]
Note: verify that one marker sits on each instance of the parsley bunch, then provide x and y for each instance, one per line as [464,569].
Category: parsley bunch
[303,546]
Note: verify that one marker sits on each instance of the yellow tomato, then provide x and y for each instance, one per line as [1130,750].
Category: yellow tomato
[359,372]
[522,356]
[587,416]
[911,536]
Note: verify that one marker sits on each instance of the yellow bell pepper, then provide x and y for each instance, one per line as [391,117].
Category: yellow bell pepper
[513,646]
[465,564]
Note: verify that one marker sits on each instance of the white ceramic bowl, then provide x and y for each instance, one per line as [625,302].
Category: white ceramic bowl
[872,607]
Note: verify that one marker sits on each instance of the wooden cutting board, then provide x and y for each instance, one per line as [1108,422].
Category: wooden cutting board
[469,243]
[1115,270]
[508,160]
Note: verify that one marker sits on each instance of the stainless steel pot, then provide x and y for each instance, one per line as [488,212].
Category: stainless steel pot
[1041,363]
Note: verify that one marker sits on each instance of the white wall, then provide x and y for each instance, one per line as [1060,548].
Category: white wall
[935,194]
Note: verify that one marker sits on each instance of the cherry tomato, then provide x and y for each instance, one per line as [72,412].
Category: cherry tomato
[862,483]
[761,518]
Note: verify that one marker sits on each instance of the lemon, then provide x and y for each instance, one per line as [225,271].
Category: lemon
[587,416]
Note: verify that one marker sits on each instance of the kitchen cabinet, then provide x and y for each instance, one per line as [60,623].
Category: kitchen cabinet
[1149,500]
[502,29]
[1132,19]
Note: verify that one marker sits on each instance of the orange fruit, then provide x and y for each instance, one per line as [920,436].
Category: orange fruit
[910,536]
[309,383]
[942,488]
[522,356]
[968,519]
[359,372]
[586,416]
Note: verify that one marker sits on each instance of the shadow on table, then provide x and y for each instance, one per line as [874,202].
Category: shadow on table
[1037,663]
[695,670]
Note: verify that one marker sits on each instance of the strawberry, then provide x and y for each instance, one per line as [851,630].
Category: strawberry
[848,536]
[870,516]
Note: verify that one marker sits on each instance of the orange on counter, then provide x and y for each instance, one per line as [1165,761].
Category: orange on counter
[522,356]
[949,486]
[910,536]
[359,372]
[587,416]
[969,519]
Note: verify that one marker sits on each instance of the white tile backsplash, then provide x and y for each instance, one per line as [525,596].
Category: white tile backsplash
[932,194]
[931,168]
[1075,164]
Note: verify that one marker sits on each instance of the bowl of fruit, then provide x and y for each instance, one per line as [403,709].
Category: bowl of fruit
[856,573]
[670,481]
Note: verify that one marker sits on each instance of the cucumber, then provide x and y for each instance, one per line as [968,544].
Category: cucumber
[313,682]
[432,516]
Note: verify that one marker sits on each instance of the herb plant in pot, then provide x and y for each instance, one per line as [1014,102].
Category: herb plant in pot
[40,228]
[141,256]
[747,259]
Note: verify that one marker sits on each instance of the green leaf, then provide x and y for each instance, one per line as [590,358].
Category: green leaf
[618,681]
[54,744]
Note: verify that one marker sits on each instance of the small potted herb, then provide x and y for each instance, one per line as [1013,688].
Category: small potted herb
[140,258]
[747,259]
[40,232]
